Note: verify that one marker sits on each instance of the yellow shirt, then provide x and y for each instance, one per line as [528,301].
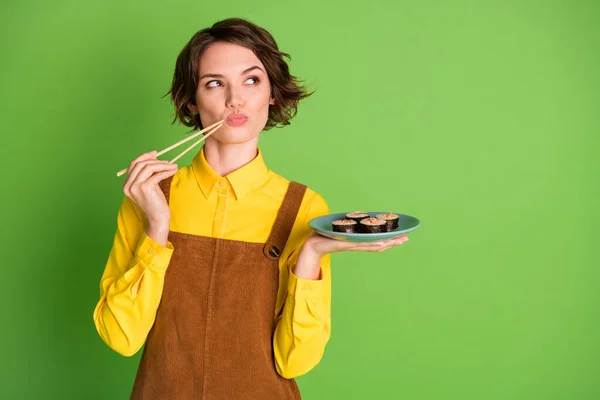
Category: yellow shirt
[240,206]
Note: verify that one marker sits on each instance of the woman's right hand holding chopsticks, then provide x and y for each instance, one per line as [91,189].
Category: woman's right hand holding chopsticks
[141,186]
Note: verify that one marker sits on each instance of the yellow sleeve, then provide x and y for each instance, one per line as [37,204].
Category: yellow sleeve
[132,283]
[303,327]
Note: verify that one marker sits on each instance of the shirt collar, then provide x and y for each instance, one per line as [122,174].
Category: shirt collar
[242,180]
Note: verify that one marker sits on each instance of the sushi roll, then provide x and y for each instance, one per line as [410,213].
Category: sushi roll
[372,225]
[391,221]
[357,216]
[345,225]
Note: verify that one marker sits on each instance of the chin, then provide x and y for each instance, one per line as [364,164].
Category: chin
[230,135]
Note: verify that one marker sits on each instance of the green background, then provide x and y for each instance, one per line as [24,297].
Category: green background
[479,118]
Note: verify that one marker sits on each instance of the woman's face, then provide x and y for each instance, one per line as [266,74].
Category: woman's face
[233,86]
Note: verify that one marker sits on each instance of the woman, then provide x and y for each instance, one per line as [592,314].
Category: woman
[214,265]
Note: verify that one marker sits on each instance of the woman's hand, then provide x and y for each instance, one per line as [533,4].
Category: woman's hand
[141,186]
[322,245]
[316,246]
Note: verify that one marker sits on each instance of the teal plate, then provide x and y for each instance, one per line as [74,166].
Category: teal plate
[322,225]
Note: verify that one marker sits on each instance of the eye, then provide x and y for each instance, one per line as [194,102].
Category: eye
[213,84]
[253,80]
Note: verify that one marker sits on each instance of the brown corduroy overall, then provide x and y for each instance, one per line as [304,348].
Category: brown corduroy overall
[212,337]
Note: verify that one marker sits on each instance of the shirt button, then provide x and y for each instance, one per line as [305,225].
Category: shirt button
[221,183]
[151,250]
[305,287]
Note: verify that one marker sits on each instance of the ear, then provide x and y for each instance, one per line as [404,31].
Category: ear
[192,108]
[272,100]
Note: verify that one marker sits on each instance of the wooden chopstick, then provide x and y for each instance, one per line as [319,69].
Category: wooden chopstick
[195,143]
[206,130]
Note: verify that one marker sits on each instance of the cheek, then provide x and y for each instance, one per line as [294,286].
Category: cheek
[206,101]
[261,101]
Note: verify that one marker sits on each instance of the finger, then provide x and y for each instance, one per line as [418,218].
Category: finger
[397,238]
[134,173]
[134,167]
[384,245]
[400,240]
[159,176]
[132,188]
[374,249]
[379,246]
[140,165]
[368,246]
[394,244]
[384,248]
[143,157]
[149,169]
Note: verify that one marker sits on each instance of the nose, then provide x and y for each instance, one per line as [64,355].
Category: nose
[234,99]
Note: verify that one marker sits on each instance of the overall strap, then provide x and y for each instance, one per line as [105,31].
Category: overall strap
[285,220]
[165,186]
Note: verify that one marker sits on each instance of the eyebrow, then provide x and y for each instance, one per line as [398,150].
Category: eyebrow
[221,76]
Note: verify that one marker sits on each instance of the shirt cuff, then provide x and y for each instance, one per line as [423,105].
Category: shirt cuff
[301,288]
[155,255]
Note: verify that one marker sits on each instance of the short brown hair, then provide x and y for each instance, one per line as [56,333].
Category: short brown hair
[285,88]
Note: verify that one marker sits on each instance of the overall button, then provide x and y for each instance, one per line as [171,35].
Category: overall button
[274,251]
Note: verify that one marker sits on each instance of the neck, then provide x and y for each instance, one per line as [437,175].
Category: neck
[224,158]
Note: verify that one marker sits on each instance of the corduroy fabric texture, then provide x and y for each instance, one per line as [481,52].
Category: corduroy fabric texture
[212,336]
